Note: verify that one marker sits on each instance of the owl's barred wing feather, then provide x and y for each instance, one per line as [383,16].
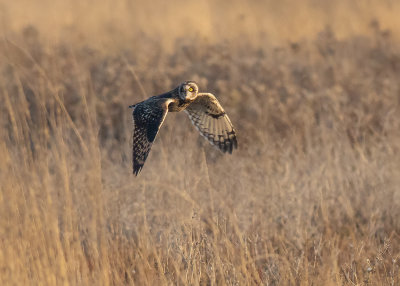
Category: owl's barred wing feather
[148,117]
[208,116]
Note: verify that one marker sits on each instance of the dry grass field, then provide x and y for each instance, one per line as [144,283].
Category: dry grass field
[311,197]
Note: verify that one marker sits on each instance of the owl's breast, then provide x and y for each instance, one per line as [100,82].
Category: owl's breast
[178,105]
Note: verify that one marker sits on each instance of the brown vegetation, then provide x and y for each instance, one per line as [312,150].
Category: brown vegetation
[311,197]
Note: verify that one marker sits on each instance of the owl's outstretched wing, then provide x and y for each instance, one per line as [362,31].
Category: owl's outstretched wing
[207,114]
[148,117]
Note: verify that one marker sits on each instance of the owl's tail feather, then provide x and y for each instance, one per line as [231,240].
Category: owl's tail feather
[132,106]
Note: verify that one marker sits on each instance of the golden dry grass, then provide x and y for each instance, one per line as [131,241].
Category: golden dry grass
[311,197]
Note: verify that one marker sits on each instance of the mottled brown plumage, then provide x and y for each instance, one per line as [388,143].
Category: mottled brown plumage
[204,110]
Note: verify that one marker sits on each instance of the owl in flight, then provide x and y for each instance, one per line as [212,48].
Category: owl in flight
[204,110]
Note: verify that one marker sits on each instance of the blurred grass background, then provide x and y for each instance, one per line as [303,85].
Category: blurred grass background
[311,197]
[120,23]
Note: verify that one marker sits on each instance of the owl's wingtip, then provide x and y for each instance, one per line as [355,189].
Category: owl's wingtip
[137,169]
[132,106]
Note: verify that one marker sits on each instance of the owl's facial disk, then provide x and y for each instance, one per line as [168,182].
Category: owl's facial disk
[188,90]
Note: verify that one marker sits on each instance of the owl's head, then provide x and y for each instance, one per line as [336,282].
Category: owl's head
[188,90]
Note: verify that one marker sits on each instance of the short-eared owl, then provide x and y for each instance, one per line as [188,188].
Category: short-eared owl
[204,110]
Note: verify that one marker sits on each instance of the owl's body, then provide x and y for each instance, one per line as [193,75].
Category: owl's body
[203,109]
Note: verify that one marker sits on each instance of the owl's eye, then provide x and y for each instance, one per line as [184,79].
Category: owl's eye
[190,89]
